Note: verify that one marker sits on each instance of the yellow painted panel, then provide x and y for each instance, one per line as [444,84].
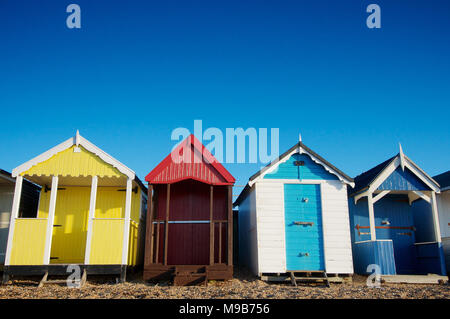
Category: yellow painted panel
[71,220]
[44,202]
[68,162]
[110,202]
[107,239]
[28,242]
[134,246]
[136,205]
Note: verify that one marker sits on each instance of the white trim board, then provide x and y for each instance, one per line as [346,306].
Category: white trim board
[76,140]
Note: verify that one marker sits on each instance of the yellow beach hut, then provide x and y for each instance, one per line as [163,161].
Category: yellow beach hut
[91,214]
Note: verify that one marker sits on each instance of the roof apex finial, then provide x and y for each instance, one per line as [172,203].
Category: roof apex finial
[77,138]
[402,156]
[299,137]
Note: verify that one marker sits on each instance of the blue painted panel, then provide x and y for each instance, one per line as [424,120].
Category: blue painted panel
[403,180]
[303,239]
[395,209]
[430,259]
[359,215]
[409,258]
[423,221]
[380,253]
[310,170]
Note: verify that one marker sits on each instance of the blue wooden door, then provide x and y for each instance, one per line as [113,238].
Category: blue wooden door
[303,227]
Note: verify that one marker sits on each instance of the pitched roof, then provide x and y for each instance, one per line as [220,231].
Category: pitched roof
[364,180]
[78,140]
[190,160]
[299,145]
[443,180]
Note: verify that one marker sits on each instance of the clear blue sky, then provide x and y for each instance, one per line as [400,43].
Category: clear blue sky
[138,69]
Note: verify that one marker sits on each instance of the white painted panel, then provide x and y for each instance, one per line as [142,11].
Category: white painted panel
[271,239]
[337,242]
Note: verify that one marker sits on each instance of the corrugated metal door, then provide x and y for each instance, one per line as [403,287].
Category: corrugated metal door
[303,228]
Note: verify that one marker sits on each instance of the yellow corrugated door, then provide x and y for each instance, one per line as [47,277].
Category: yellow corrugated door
[70,225]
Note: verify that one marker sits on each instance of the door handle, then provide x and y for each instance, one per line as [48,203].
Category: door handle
[304,223]
[303,254]
[57,225]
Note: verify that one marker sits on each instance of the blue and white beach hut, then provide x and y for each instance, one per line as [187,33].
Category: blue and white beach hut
[293,217]
[386,228]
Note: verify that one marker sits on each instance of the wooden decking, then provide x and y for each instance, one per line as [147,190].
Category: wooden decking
[187,275]
[62,270]
[305,276]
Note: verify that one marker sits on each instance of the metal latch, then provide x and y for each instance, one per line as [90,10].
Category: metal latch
[304,223]
[303,254]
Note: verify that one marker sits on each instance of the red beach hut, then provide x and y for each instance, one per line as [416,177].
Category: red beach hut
[189,219]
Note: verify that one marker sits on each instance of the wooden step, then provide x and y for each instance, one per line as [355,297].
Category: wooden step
[323,278]
[190,280]
[45,280]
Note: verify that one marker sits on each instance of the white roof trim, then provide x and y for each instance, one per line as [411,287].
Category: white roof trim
[396,162]
[76,140]
[422,175]
[301,150]
[402,157]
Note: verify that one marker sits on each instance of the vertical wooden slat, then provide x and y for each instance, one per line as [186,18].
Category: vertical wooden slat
[166,229]
[149,230]
[230,225]
[50,220]
[373,234]
[92,203]
[13,217]
[211,226]
[220,242]
[127,221]
[157,243]
[434,210]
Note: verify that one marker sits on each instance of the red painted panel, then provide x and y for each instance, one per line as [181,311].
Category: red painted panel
[188,243]
[220,207]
